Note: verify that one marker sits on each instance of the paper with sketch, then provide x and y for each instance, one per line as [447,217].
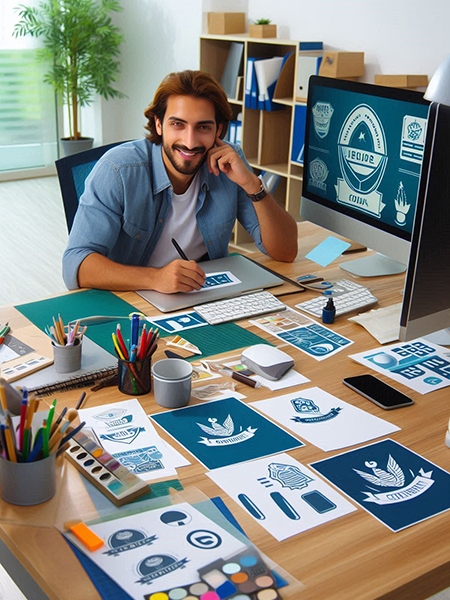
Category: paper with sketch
[178,321]
[158,549]
[218,280]
[289,379]
[283,495]
[324,420]
[124,431]
[382,323]
[420,365]
[303,333]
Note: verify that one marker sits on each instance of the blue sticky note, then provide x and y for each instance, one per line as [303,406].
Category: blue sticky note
[225,432]
[391,482]
[327,251]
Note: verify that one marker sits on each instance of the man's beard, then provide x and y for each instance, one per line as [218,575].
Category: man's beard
[185,167]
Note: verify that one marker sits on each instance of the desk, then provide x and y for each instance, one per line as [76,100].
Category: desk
[351,558]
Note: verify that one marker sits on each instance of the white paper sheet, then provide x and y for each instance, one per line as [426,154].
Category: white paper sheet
[159,549]
[419,364]
[324,420]
[289,379]
[280,494]
[124,431]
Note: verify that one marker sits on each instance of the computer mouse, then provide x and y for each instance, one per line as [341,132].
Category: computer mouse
[267,361]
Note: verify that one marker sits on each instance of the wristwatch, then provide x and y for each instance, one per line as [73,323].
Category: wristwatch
[262,192]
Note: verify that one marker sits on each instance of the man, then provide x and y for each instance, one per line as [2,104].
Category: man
[180,182]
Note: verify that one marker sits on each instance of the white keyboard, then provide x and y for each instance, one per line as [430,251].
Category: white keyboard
[242,307]
[347,295]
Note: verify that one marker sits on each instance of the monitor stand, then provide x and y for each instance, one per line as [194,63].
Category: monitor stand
[442,337]
[373,266]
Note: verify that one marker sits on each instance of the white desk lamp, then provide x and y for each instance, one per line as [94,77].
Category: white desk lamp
[438,89]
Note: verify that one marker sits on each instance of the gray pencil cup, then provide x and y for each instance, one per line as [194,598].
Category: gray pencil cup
[28,483]
[67,358]
[172,382]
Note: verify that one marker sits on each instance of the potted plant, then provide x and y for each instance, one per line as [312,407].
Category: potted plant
[82,46]
[262,29]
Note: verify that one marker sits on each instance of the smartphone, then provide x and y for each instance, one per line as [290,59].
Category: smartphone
[378,392]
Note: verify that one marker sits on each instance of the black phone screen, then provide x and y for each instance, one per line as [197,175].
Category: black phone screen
[378,391]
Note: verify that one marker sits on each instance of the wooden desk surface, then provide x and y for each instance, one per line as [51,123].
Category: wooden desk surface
[351,558]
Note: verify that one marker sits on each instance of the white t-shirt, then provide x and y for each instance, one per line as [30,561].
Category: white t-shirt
[181,225]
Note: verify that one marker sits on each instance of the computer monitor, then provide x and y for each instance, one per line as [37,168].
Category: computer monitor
[426,300]
[364,147]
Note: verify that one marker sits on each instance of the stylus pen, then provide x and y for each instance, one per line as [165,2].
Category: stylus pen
[179,249]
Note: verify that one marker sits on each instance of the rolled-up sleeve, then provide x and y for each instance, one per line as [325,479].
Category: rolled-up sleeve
[97,222]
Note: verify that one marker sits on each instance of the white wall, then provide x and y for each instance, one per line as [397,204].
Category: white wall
[397,36]
[160,36]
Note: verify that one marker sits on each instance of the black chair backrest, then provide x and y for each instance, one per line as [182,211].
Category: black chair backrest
[72,173]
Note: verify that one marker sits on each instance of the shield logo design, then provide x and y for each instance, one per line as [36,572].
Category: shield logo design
[318,171]
[322,113]
[362,150]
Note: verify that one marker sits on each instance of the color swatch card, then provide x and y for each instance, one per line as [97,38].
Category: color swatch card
[420,365]
[178,321]
[158,549]
[124,431]
[323,419]
[283,495]
[225,432]
[303,333]
[290,379]
[391,482]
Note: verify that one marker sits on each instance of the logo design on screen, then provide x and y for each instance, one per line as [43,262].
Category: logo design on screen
[318,171]
[322,113]
[362,151]
[394,478]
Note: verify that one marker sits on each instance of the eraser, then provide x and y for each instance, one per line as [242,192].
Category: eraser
[87,536]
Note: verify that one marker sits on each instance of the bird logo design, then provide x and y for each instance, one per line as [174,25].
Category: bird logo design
[393,477]
[224,430]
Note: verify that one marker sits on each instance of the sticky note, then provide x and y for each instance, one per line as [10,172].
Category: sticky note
[327,251]
[87,536]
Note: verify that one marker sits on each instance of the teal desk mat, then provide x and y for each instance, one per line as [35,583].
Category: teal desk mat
[211,339]
[76,306]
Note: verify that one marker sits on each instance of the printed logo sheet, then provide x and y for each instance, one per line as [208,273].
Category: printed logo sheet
[224,432]
[124,431]
[158,549]
[283,495]
[324,420]
[394,484]
[303,333]
[420,365]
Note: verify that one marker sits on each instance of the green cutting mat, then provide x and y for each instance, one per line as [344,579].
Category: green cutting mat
[211,339]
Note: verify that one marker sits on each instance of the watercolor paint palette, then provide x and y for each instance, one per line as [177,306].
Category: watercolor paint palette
[115,481]
[243,574]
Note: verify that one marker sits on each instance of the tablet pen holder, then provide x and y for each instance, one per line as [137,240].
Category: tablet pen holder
[134,377]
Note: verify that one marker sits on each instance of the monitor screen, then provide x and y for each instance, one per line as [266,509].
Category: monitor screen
[364,147]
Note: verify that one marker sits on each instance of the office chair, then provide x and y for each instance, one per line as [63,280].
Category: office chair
[72,173]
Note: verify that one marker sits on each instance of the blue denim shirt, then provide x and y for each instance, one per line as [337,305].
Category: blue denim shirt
[126,202]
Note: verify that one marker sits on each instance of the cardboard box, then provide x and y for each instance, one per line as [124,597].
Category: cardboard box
[342,65]
[262,31]
[225,23]
[402,81]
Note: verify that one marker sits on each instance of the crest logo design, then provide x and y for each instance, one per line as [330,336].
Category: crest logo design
[114,417]
[311,412]
[318,171]
[362,152]
[128,539]
[322,113]
[394,477]
[288,476]
[123,436]
[224,432]
[141,460]
[158,565]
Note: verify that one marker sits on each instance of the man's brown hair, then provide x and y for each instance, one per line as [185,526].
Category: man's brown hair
[187,83]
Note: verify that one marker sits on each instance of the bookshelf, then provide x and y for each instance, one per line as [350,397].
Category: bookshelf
[266,135]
